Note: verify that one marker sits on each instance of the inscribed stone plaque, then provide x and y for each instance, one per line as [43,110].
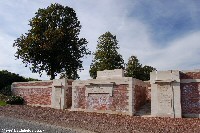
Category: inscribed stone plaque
[165,96]
[57,96]
[117,73]
[99,89]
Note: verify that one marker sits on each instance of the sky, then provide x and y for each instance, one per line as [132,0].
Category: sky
[163,34]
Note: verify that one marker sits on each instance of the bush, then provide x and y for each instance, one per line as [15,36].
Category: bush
[2,103]
[15,100]
[6,90]
[3,97]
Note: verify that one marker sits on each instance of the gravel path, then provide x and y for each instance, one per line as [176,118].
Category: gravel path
[103,123]
[8,124]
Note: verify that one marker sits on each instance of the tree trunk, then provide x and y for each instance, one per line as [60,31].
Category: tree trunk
[52,75]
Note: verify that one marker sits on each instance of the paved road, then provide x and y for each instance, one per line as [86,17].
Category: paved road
[8,125]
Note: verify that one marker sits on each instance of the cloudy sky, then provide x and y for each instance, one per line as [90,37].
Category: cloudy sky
[163,34]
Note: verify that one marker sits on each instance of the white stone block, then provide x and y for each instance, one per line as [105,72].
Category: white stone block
[116,73]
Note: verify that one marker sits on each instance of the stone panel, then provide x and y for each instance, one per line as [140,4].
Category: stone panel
[165,99]
[99,88]
[98,101]
[117,73]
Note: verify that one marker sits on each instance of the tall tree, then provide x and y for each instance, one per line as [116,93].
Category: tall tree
[106,55]
[52,44]
[146,72]
[136,70]
[133,68]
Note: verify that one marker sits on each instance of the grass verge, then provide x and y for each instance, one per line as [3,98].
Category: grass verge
[2,103]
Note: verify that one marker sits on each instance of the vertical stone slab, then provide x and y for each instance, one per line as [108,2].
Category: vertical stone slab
[165,94]
[59,94]
[177,100]
[154,100]
[165,100]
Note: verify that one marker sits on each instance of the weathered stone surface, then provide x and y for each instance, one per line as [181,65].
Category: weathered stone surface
[117,73]
[165,98]
[182,95]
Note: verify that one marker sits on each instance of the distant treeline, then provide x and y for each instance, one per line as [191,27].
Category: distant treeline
[7,78]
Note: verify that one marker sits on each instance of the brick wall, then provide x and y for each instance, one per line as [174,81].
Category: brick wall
[34,93]
[190,75]
[148,91]
[190,98]
[140,96]
[117,102]
[79,98]
[69,93]
[190,93]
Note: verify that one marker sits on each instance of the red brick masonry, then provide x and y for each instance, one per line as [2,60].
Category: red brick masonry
[190,93]
[140,96]
[190,75]
[34,93]
[118,102]
[190,98]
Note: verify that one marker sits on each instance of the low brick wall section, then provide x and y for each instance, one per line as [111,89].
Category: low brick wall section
[190,98]
[117,102]
[140,96]
[34,92]
[116,96]
[190,93]
[190,75]
[148,91]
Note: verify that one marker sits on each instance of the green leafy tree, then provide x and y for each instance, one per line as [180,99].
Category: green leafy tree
[7,78]
[52,44]
[136,70]
[133,68]
[146,72]
[106,56]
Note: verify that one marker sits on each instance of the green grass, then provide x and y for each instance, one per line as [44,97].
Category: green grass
[2,103]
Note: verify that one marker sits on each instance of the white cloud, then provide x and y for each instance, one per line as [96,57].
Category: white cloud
[180,54]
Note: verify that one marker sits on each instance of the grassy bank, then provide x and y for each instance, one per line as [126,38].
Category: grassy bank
[2,103]
[3,98]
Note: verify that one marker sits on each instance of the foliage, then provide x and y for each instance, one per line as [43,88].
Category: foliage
[2,103]
[7,78]
[52,44]
[15,100]
[6,90]
[146,72]
[3,97]
[136,70]
[106,56]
